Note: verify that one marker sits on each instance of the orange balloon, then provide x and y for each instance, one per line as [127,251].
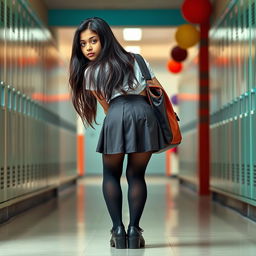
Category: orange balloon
[174,66]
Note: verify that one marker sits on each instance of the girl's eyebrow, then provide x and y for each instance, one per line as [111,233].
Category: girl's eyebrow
[89,38]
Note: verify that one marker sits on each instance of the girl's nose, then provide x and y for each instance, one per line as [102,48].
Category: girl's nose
[89,47]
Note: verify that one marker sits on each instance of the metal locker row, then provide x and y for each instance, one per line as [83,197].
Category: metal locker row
[30,133]
[233,120]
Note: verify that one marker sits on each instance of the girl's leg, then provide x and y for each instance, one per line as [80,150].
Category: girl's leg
[112,171]
[137,190]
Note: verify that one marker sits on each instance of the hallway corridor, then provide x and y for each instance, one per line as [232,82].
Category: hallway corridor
[175,222]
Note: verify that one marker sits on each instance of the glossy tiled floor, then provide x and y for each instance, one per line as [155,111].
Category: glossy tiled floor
[175,222]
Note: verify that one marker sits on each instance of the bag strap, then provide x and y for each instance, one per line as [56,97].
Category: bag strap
[143,66]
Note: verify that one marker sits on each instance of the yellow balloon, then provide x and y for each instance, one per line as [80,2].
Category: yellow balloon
[187,36]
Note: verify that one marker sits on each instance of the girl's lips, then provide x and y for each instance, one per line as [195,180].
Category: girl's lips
[90,54]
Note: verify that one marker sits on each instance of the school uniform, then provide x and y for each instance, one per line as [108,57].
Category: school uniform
[130,124]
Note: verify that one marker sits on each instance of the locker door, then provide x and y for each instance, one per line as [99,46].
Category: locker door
[2,143]
[14,139]
[25,177]
[236,148]
[9,144]
[19,145]
[247,139]
[253,141]
[230,148]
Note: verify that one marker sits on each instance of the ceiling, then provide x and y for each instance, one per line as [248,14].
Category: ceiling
[113,4]
[156,42]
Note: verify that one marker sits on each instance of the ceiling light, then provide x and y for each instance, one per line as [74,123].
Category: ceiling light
[132,34]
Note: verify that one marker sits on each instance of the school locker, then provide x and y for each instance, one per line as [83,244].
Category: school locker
[19,145]
[2,143]
[253,142]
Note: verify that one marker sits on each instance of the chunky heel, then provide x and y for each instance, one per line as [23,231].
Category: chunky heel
[120,242]
[134,242]
[118,237]
[135,239]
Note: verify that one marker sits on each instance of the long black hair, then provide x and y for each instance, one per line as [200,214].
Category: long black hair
[106,73]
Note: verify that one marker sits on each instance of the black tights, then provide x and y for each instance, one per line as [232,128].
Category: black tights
[137,189]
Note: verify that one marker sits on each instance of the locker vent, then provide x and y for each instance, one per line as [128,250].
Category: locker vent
[28,174]
[227,171]
[32,173]
[18,175]
[23,174]
[13,176]
[247,18]
[233,172]
[254,175]
[253,13]
[36,172]
[8,17]
[8,176]
[237,173]
[248,174]
[2,178]
[243,181]
[2,12]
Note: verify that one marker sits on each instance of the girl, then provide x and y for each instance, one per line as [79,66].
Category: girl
[101,70]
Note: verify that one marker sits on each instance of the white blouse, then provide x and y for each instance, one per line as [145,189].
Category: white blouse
[138,75]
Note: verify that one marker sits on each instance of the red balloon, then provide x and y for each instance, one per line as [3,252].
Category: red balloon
[174,67]
[178,54]
[196,11]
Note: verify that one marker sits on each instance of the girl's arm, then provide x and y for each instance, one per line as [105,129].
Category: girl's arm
[103,102]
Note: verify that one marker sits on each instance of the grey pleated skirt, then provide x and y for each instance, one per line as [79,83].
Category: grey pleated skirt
[130,126]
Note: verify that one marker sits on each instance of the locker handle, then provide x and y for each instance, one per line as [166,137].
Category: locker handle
[28,106]
[19,101]
[9,97]
[14,103]
[24,104]
[2,99]
[253,90]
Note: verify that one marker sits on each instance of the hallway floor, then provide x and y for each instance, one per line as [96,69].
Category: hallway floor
[175,222]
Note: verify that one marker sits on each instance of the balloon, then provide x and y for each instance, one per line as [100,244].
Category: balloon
[174,67]
[196,11]
[174,99]
[187,36]
[178,54]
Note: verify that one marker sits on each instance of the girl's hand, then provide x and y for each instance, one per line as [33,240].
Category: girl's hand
[102,102]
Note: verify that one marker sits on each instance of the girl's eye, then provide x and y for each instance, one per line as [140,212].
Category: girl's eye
[94,41]
[82,44]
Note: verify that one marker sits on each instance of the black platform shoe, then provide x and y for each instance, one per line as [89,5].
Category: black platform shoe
[135,239]
[118,238]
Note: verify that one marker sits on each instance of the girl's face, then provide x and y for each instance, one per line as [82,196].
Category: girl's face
[90,44]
